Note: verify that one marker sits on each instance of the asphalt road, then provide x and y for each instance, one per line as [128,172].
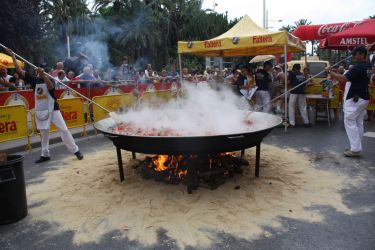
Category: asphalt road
[325,145]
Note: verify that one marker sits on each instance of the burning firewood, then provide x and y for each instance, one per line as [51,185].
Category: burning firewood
[209,171]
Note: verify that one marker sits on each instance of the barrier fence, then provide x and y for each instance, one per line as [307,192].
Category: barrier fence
[26,97]
[14,124]
[371,105]
[112,103]
[15,106]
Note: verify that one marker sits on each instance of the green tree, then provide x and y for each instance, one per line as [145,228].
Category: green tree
[301,22]
[141,29]
[63,18]
[21,27]
[288,28]
[115,6]
[151,29]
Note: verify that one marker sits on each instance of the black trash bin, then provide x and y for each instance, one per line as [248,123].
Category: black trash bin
[13,203]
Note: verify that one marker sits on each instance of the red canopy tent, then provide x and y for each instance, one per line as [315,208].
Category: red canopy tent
[361,34]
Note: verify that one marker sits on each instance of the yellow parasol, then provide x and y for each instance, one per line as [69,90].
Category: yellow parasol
[7,62]
[262,58]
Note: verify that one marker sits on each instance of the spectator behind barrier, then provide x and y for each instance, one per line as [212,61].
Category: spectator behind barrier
[4,80]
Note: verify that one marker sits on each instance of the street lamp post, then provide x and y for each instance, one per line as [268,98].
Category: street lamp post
[264,14]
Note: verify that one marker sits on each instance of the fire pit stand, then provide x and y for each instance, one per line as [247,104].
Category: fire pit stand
[190,145]
[192,174]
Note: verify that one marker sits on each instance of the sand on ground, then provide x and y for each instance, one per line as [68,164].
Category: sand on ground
[86,197]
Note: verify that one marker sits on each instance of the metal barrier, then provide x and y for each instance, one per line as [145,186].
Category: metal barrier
[112,103]
[14,124]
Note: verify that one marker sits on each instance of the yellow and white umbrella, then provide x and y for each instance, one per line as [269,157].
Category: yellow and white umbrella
[7,62]
[262,58]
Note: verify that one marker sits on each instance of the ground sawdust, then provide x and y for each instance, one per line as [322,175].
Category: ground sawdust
[87,198]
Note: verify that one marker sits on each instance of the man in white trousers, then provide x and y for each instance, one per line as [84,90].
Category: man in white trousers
[356,99]
[295,78]
[47,111]
[263,81]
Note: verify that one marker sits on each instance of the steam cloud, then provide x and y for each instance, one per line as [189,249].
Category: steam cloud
[202,111]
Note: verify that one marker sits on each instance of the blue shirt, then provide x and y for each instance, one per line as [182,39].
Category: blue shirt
[86,78]
[359,80]
[295,79]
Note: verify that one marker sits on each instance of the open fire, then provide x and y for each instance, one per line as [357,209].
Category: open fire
[208,171]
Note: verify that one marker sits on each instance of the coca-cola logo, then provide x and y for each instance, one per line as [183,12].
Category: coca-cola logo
[327,29]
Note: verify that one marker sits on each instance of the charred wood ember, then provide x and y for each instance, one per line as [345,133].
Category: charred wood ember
[208,171]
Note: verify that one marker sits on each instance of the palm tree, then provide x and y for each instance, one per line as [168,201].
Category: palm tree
[116,5]
[21,27]
[301,22]
[288,28]
[141,33]
[65,17]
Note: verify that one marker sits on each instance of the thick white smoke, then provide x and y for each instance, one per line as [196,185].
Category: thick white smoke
[202,111]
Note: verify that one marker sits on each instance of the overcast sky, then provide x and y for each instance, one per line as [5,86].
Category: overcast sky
[316,11]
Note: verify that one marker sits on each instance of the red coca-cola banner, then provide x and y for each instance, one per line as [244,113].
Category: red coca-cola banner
[362,34]
[321,31]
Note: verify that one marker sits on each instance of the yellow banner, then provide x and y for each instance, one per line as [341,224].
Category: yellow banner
[157,95]
[371,105]
[112,103]
[73,111]
[265,44]
[13,123]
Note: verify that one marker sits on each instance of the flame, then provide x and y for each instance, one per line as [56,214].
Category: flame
[176,165]
[159,161]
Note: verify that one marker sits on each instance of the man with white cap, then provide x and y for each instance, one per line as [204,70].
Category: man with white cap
[356,99]
[47,111]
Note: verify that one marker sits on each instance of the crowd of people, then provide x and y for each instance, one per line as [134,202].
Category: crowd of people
[265,82]
[268,80]
[80,73]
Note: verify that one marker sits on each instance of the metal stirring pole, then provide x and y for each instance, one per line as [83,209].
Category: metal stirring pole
[75,91]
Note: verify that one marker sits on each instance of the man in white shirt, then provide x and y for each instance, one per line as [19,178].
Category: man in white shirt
[149,73]
[4,79]
[61,76]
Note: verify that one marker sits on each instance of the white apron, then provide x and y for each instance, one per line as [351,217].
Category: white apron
[44,104]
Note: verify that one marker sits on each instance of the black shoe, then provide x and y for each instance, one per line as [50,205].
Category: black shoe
[42,159]
[79,155]
[308,125]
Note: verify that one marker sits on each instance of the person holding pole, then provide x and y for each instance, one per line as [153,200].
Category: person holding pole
[46,110]
[356,99]
[263,80]
[295,78]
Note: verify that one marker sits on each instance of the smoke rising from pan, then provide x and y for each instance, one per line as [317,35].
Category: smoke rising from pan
[202,110]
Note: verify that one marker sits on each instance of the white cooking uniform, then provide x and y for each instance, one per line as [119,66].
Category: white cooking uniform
[45,114]
[297,96]
[354,112]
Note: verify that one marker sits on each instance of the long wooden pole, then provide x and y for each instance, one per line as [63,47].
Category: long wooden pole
[75,91]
